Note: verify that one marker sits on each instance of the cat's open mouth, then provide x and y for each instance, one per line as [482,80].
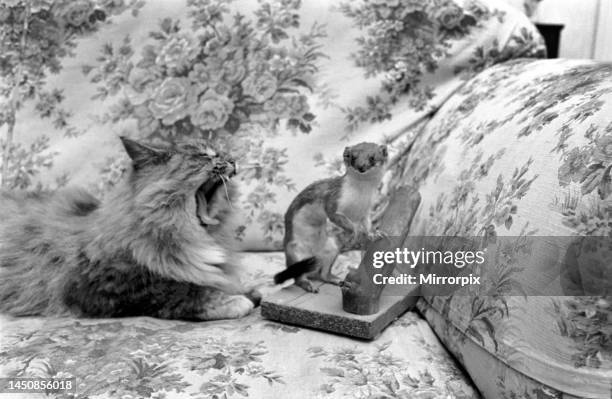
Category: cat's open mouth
[210,186]
[205,199]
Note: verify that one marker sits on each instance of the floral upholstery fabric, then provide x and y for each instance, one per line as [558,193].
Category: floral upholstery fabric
[529,7]
[524,150]
[521,149]
[148,358]
[284,85]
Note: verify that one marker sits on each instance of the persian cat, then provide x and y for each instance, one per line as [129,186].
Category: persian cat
[157,247]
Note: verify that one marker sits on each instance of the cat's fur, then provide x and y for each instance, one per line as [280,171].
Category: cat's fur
[144,251]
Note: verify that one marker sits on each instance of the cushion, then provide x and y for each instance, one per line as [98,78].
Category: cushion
[529,7]
[522,154]
[150,358]
[284,88]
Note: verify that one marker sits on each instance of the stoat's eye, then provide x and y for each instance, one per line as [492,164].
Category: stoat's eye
[372,160]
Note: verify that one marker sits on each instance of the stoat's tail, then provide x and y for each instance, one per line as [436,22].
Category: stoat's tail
[296,270]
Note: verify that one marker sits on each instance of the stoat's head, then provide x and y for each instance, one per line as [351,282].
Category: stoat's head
[365,158]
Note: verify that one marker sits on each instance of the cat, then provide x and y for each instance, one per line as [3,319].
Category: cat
[157,247]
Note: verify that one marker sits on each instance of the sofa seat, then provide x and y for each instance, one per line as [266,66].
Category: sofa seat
[150,358]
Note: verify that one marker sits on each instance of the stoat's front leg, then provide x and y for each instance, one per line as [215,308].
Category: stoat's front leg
[372,234]
[347,225]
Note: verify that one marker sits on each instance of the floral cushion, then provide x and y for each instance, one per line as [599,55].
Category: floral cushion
[523,152]
[284,87]
[529,7]
[133,358]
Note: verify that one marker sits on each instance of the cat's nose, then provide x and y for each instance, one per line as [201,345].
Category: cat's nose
[227,167]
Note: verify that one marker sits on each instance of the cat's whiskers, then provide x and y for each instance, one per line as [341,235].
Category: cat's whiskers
[250,166]
[226,192]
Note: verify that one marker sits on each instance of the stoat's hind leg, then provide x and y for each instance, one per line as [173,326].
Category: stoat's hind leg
[326,258]
[308,240]
[306,284]
[295,252]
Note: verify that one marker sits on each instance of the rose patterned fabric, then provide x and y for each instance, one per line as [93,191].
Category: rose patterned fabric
[148,358]
[524,150]
[283,85]
[529,7]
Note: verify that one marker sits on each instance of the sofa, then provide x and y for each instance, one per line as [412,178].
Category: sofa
[523,164]
[498,142]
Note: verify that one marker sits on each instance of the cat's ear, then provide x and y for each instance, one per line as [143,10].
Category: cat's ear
[142,154]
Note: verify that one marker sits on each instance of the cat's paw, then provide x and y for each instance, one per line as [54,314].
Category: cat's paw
[232,307]
[255,296]
[240,306]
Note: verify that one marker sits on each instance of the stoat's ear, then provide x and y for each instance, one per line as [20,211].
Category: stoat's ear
[384,151]
[143,155]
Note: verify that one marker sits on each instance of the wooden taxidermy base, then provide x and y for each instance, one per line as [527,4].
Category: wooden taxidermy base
[364,309]
[323,310]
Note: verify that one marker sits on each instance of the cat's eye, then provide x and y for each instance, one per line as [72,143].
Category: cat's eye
[209,152]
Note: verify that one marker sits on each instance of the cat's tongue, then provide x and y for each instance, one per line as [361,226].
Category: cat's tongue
[206,218]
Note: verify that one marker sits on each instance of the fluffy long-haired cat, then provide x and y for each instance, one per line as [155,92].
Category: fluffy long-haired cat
[155,248]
